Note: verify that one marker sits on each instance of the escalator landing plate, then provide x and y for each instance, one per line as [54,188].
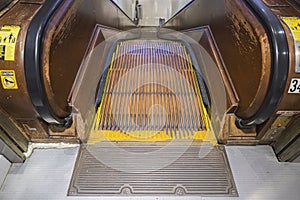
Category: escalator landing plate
[151,169]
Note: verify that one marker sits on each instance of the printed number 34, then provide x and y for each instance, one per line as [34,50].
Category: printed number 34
[295,86]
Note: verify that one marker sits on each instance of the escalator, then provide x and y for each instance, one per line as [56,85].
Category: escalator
[152,107]
[238,44]
[152,133]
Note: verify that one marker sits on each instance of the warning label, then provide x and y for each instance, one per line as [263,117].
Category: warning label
[294,25]
[8,79]
[8,39]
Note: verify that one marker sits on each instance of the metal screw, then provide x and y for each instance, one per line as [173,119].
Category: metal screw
[180,191]
[126,191]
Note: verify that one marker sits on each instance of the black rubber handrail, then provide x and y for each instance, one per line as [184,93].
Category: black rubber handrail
[279,64]
[33,67]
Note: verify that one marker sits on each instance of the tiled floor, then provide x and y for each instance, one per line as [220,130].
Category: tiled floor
[258,175]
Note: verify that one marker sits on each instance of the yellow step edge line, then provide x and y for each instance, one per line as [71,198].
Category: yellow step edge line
[98,118]
[211,137]
[143,136]
[206,117]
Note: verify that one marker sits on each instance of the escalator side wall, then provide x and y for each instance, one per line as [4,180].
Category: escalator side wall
[270,131]
[274,128]
[69,30]
[242,42]
[81,98]
[17,102]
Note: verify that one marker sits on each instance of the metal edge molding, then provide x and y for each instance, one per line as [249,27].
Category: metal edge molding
[121,10]
[178,12]
[10,154]
[102,81]
[196,66]
[32,64]
[4,3]
[279,67]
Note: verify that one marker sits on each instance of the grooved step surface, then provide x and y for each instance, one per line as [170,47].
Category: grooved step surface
[151,89]
[152,170]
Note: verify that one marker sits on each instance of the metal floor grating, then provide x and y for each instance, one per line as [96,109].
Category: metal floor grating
[199,170]
[151,91]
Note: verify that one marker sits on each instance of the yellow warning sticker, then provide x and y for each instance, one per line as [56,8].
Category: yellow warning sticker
[8,79]
[294,25]
[8,40]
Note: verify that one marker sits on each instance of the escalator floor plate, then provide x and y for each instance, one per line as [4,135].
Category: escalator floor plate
[134,170]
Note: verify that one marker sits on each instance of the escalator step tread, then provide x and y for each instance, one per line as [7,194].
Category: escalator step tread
[151,88]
